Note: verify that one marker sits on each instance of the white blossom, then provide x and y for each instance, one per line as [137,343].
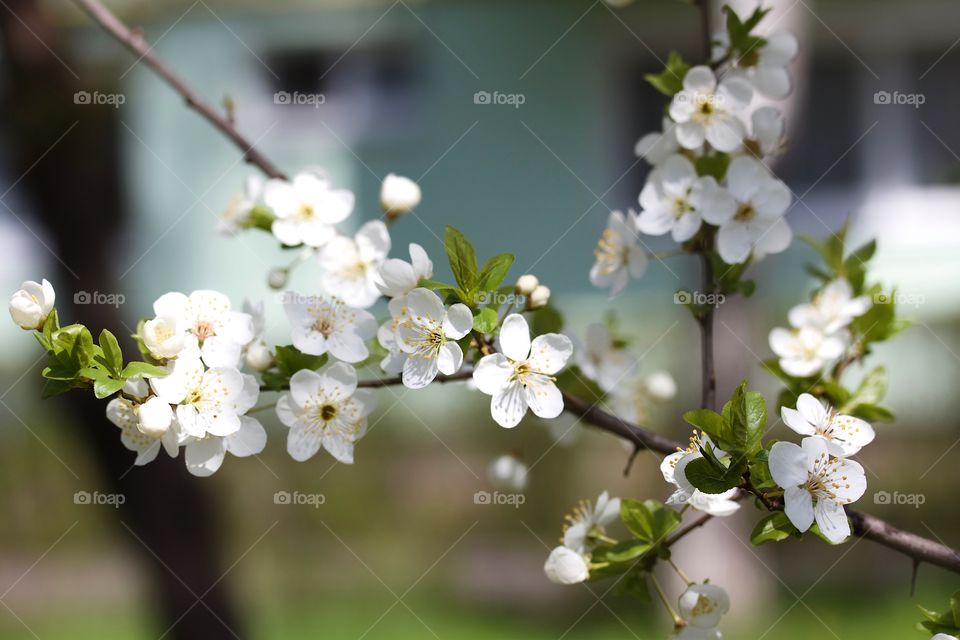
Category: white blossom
[507,473]
[618,256]
[399,277]
[702,605]
[769,73]
[325,409]
[204,320]
[589,521]
[306,209]
[675,197]
[352,265]
[240,206]
[522,375]
[660,386]
[428,334]
[832,309]
[602,360]
[767,131]
[566,566]
[205,398]
[844,435]
[320,326]
[805,351]
[32,303]
[399,195]
[673,469]
[754,225]
[816,486]
[257,354]
[124,414]
[393,362]
[656,147]
[707,111]
[204,455]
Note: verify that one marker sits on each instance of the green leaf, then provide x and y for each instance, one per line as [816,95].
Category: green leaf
[670,80]
[494,271]
[546,320]
[708,478]
[714,165]
[746,416]
[112,355]
[873,413]
[436,285]
[485,320]
[71,350]
[289,360]
[773,528]
[710,422]
[142,369]
[872,389]
[626,551]
[462,258]
[53,388]
[650,521]
[260,217]
[106,387]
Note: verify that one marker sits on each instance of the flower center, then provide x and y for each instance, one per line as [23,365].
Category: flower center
[327,412]
[609,252]
[305,211]
[745,212]
[681,206]
[203,330]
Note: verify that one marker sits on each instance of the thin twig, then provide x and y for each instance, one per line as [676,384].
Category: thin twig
[136,44]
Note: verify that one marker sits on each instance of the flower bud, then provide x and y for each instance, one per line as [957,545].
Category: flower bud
[660,386]
[277,279]
[507,473]
[399,195]
[136,387]
[155,417]
[259,357]
[31,304]
[566,566]
[526,284]
[539,297]
[162,338]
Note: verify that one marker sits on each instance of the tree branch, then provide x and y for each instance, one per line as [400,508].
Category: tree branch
[135,43]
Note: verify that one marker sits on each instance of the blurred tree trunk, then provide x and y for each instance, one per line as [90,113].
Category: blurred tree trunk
[74,189]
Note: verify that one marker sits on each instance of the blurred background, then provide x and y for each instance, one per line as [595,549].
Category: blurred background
[117,196]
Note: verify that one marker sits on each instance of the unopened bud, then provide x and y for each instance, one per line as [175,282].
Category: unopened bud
[399,195]
[155,417]
[259,356]
[526,284]
[277,279]
[539,297]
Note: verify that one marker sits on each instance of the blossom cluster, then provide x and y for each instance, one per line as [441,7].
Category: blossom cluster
[710,185]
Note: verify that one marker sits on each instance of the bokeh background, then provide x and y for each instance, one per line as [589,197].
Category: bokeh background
[123,200]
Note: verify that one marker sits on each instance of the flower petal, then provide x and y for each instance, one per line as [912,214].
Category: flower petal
[515,337]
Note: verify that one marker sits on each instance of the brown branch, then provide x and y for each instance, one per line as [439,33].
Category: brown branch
[136,44]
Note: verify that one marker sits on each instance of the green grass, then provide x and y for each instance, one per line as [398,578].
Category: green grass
[837,615]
